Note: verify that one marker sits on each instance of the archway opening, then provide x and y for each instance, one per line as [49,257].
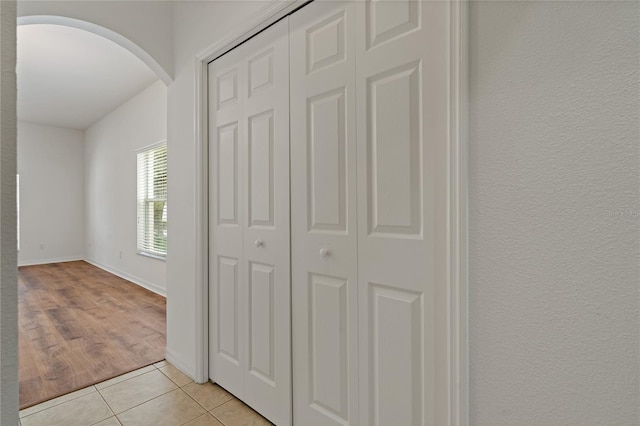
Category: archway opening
[91,103]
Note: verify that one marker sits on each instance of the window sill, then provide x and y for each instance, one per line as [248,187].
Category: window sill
[153,256]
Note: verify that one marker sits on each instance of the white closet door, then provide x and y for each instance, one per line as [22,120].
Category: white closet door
[226,214]
[267,325]
[402,130]
[251,298]
[324,230]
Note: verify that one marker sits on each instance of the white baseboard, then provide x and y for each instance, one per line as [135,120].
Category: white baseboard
[52,260]
[178,363]
[142,283]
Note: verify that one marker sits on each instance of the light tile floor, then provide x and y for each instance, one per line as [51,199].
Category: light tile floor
[155,395]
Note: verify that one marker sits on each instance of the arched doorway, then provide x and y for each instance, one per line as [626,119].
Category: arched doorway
[108,175]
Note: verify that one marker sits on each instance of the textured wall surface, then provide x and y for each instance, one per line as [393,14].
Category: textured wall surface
[554,298]
[8,254]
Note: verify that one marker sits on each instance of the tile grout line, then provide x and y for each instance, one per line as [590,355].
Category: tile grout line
[216,417]
[137,405]
[178,387]
[196,401]
[94,389]
[173,390]
[176,383]
[60,403]
[203,407]
[74,399]
[188,395]
[131,408]
[109,407]
[122,381]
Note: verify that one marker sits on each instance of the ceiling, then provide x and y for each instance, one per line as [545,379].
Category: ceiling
[68,77]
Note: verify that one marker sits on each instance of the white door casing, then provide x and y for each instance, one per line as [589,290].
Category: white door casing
[323,201]
[251,348]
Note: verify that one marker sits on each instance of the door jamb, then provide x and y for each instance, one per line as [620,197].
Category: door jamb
[457,194]
[458,214]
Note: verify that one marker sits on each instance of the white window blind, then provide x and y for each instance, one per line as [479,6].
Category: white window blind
[152,201]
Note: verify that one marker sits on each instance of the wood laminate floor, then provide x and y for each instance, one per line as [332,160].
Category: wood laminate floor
[79,325]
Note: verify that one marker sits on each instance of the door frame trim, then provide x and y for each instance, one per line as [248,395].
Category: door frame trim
[458,214]
[457,279]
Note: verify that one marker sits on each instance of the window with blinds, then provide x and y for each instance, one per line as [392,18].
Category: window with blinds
[152,201]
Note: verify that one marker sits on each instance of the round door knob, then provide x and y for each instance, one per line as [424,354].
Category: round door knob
[324,252]
[259,243]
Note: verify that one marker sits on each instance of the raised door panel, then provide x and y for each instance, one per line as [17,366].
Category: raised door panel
[396,348]
[323,223]
[261,322]
[227,309]
[260,170]
[325,42]
[266,239]
[227,175]
[260,69]
[402,109]
[226,89]
[394,147]
[326,162]
[386,20]
[328,346]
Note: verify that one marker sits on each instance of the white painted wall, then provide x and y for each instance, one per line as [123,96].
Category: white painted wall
[554,263]
[147,23]
[51,169]
[554,280]
[555,212]
[110,164]
[8,255]
[197,25]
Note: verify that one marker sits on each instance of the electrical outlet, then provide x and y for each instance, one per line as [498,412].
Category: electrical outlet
[120,254]
[41,246]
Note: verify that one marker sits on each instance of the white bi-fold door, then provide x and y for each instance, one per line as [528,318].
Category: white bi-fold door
[368,149]
[250,305]
[361,88]
[324,214]
[402,109]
